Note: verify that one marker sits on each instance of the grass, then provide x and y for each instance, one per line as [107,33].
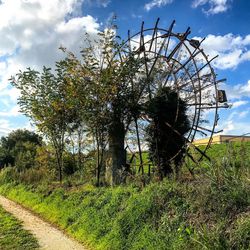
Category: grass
[228,150]
[119,218]
[135,164]
[12,235]
[210,211]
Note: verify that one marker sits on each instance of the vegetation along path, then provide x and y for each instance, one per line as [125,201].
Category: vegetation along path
[48,236]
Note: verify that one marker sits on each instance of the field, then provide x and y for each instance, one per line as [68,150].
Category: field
[235,152]
[210,210]
[12,235]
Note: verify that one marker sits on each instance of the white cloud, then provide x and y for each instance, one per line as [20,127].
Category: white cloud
[232,49]
[235,123]
[104,3]
[133,15]
[99,3]
[5,127]
[243,114]
[14,111]
[31,32]
[214,6]
[10,93]
[156,3]
[244,89]
[239,103]
[235,127]
[237,91]
[228,127]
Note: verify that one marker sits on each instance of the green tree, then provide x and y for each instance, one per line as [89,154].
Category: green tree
[19,147]
[103,90]
[44,99]
[165,133]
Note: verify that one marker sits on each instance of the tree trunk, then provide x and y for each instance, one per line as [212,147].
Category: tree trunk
[141,168]
[60,168]
[59,160]
[59,149]
[117,152]
[98,163]
[79,153]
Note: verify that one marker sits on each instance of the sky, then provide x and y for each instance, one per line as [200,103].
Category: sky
[31,32]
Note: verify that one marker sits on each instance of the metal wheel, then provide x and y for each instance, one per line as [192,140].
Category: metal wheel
[178,62]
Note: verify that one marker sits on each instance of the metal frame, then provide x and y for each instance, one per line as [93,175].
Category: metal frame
[189,72]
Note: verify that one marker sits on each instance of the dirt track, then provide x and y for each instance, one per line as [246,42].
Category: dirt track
[48,237]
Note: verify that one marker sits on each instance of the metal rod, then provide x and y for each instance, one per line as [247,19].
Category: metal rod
[155,28]
[139,147]
[190,143]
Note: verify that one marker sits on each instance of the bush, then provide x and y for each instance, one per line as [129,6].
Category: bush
[7,175]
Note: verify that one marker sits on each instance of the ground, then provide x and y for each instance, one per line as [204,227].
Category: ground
[47,236]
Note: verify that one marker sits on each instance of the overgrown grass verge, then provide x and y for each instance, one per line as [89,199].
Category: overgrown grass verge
[211,211]
[13,236]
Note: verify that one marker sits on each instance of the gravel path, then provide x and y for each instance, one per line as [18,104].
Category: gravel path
[49,237]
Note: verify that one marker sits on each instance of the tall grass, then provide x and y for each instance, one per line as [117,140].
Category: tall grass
[209,211]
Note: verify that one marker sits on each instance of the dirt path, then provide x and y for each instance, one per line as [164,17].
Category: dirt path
[49,238]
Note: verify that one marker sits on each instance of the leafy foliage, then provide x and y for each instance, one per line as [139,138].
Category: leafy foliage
[19,149]
[44,99]
[102,88]
[165,133]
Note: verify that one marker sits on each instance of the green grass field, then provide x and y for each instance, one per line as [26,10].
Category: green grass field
[230,152]
[13,236]
[209,210]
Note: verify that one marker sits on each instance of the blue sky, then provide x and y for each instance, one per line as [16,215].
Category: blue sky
[32,30]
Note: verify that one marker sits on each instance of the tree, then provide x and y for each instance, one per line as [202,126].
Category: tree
[44,99]
[165,133]
[102,87]
[19,144]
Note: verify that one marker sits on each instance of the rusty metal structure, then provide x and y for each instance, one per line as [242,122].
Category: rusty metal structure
[170,59]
